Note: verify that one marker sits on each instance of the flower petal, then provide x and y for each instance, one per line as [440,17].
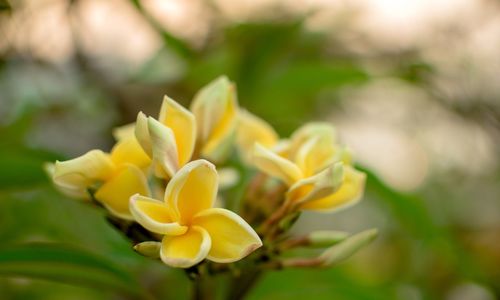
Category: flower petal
[73,192]
[209,105]
[314,155]
[183,124]
[164,147]
[349,193]
[323,130]
[185,250]
[128,150]
[215,107]
[318,186]
[192,189]
[232,237]
[142,133]
[272,164]
[83,171]
[252,129]
[115,193]
[154,215]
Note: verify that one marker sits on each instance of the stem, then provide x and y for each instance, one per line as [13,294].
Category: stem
[202,288]
[241,285]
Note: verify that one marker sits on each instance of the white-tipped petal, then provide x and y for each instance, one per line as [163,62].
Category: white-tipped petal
[164,147]
[155,216]
[183,124]
[318,186]
[349,193]
[215,107]
[274,165]
[83,171]
[142,133]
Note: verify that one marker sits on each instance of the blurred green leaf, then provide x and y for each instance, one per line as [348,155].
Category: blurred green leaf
[59,262]
[4,5]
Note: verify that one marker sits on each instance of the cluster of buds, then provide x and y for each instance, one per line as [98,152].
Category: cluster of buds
[159,184]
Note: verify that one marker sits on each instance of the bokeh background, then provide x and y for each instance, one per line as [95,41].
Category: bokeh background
[412,86]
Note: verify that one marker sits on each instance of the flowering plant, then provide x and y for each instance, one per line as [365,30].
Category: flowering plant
[163,184]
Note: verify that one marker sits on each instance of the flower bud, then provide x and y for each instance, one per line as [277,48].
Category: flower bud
[325,238]
[148,249]
[346,248]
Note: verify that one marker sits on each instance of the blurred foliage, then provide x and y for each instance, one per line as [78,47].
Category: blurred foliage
[286,75]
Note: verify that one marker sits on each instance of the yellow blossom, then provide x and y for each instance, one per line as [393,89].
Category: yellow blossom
[316,169]
[215,107]
[113,177]
[192,229]
[172,139]
[169,141]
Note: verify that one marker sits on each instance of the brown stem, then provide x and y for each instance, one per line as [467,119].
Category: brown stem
[241,285]
[294,243]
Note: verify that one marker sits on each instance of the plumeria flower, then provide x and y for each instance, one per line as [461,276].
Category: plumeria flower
[112,177]
[315,168]
[192,228]
[209,126]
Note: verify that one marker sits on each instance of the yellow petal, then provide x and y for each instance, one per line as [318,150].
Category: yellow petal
[73,192]
[273,164]
[84,171]
[142,133]
[124,131]
[349,193]
[215,107]
[252,129]
[154,215]
[128,150]
[232,237]
[209,105]
[192,189]
[164,147]
[317,186]
[115,193]
[183,125]
[325,131]
[314,155]
[185,250]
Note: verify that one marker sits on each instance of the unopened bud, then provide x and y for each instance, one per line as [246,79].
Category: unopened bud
[148,249]
[326,238]
[347,248]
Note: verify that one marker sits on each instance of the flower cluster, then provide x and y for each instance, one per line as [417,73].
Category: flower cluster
[162,175]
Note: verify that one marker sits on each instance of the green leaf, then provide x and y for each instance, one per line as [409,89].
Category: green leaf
[63,263]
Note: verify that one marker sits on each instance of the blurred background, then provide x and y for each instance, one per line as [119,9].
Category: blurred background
[412,86]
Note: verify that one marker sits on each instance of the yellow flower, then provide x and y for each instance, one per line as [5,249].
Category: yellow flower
[215,107]
[170,141]
[192,229]
[209,126]
[316,169]
[113,177]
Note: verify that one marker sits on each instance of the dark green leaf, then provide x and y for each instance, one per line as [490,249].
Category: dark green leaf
[63,263]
